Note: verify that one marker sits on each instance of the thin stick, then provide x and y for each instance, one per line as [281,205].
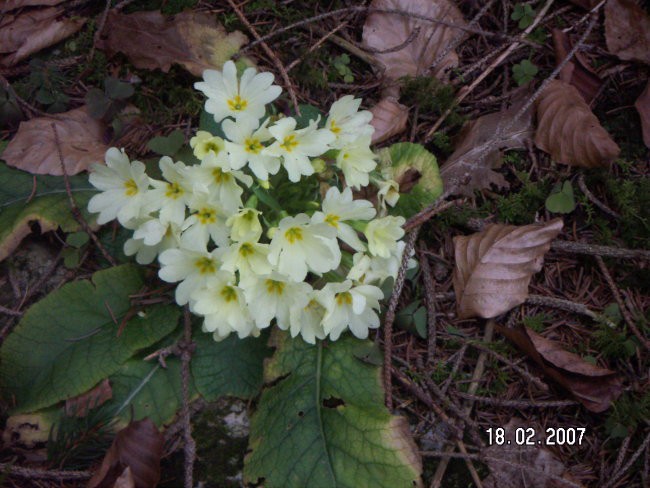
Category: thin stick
[42,474]
[591,197]
[76,213]
[8,311]
[435,208]
[621,304]
[629,464]
[466,91]
[270,53]
[430,302]
[596,250]
[568,306]
[100,29]
[190,445]
[390,316]
[517,403]
[318,44]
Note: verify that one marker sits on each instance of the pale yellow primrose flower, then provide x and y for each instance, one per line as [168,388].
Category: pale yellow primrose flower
[150,238]
[245,225]
[208,221]
[298,247]
[347,123]
[368,269]
[388,193]
[229,97]
[382,235]
[171,196]
[272,296]
[297,146]
[357,160]
[192,267]
[350,307]
[339,207]
[123,186]
[204,143]
[306,317]
[248,258]
[245,146]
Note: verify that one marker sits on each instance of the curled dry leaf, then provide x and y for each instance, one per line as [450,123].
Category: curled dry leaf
[576,72]
[569,131]
[151,40]
[505,463]
[595,387]
[33,148]
[139,446]
[494,266]
[29,32]
[627,30]
[406,44]
[642,106]
[78,406]
[478,151]
[389,118]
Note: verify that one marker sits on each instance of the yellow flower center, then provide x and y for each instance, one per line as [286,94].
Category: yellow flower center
[346,155]
[334,128]
[253,146]
[333,220]
[344,298]
[289,143]
[273,286]
[220,176]
[205,265]
[237,104]
[228,293]
[246,249]
[131,187]
[173,191]
[212,146]
[293,234]
[207,216]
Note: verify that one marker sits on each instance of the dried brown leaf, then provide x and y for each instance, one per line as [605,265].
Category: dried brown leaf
[642,106]
[8,5]
[478,151]
[627,30]
[595,387]
[423,41]
[586,4]
[576,72]
[506,463]
[33,148]
[569,131]
[78,406]
[139,446]
[29,32]
[494,266]
[389,118]
[153,41]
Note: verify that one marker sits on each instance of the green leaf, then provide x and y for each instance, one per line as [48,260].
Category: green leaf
[98,103]
[524,72]
[561,199]
[146,389]
[307,114]
[407,161]
[231,367]
[207,123]
[167,146]
[322,422]
[118,90]
[68,341]
[26,198]
[77,239]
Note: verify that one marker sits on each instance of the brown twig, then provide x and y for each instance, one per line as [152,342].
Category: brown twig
[621,304]
[8,311]
[569,306]
[517,403]
[390,316]
[100,29]
[42,474]
[186,355]
[596,250]
[440,205]
[591,197]
[270,53]
[76,213]
[318,44]
[430,302]
[629,464]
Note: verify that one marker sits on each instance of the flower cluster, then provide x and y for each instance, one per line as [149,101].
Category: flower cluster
[220,230]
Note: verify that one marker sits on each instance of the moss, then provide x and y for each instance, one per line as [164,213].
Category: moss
[432,97]
[167,7]
[519,206]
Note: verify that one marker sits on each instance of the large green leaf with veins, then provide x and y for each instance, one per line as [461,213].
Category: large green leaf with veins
[26,198]
[322,423]
[67,342]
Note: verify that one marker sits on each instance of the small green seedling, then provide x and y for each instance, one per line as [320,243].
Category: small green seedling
[106,104]
[524,72]
[524,13]
[561,199]
[341,63]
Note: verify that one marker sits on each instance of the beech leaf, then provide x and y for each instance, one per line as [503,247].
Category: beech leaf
[423,41]
[494,266]
[138,447]
[627,30]
[33,148]
[389,118]
[478,151]
[642,106]
[576,72]
[8,5]
[595,387]
[29,32]
[569,131]
[153,41]
[78,406]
